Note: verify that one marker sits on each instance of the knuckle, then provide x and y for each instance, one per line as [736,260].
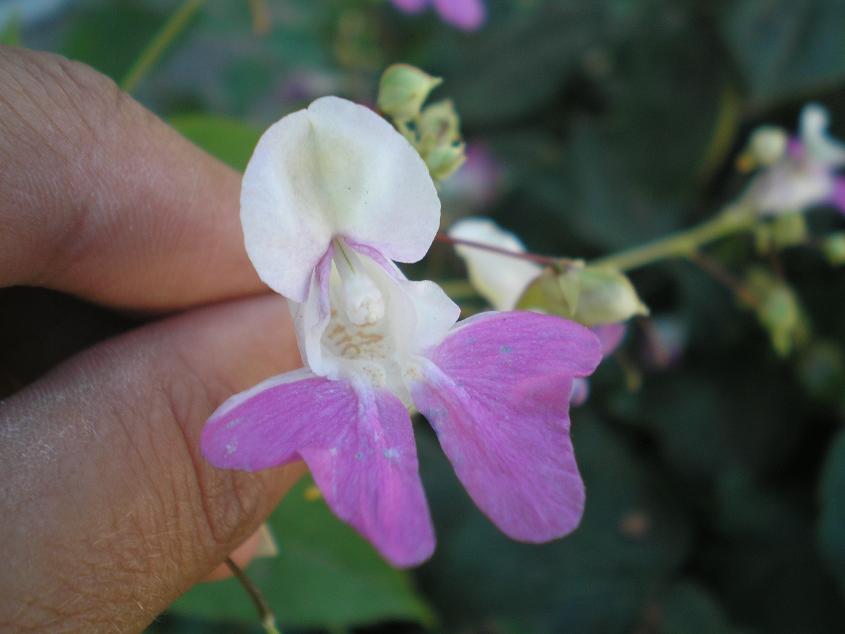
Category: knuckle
[61,124]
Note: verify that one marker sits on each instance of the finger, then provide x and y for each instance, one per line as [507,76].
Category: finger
[99,198]
[115,512]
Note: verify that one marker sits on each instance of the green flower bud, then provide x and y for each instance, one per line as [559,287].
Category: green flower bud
[833,248]
[439,125]
[778,311]
[821,370]
[589,295]
[439,139]
[767,144]
[606,296]
[444,160]
[783,231]
[549,292]
[789,230]
[403,89]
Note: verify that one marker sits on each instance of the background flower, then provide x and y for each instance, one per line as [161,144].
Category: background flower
[467,15]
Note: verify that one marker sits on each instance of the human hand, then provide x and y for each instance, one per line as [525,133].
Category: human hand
[109,511]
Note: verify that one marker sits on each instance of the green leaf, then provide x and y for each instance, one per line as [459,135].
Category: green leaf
[831,527]
[325,575]
[703,425]
[520,61]
[765,559]
[786,48]
[230,140]
[631,171]
[110,37]
[688,608]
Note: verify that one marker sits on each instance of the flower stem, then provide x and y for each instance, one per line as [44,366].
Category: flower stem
[544,260]
[268,619]
[725,277]
[175,24]
[683,243]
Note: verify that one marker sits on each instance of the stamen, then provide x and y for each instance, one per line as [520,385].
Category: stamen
[362,300]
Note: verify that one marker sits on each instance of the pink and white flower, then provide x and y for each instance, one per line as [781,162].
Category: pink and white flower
[800,173]
[467,15]
[330,197]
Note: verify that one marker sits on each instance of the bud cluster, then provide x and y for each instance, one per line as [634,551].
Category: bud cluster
[433,130]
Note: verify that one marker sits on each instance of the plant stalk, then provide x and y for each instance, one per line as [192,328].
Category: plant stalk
[156,47]
[265,613]
[683,243]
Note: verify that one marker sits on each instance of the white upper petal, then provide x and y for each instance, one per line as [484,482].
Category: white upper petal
[820,145]
[335,169]
[500,279]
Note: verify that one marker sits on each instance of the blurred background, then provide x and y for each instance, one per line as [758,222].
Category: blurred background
[715,468]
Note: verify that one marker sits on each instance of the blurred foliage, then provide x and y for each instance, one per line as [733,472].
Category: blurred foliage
[715,492]
[230,140]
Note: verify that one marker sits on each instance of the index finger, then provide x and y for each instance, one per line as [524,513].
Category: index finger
[99,198]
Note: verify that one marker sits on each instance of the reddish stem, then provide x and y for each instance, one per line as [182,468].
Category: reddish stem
[725,277]
[543,260]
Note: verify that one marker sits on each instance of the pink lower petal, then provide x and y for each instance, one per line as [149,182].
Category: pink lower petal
[370,478]
[497,394]
[267,425]
[358,443]
[838,195]
[795,148]
[468,15]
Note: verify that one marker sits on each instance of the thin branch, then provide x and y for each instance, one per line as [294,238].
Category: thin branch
[265,613]
[171,29]
[543,260]
[724,277]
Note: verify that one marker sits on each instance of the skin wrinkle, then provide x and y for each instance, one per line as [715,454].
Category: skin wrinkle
[232,483]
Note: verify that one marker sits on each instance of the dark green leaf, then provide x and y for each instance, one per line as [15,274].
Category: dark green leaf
[689,609]
[518,63]
[786,48]
[110,36]
[831,528]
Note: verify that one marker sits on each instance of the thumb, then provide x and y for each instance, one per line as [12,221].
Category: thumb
[116,513]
